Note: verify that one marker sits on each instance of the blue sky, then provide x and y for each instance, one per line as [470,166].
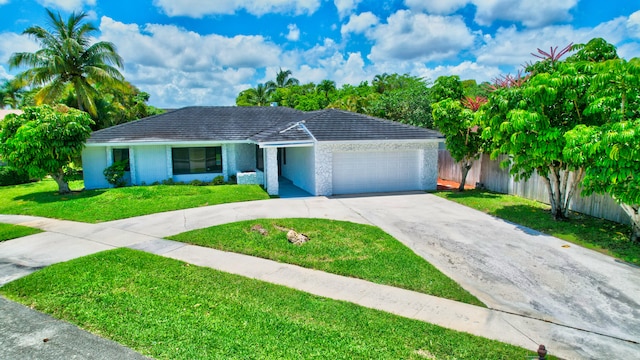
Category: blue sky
[204,52]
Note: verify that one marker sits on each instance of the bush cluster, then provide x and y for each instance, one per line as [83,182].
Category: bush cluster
[12,176]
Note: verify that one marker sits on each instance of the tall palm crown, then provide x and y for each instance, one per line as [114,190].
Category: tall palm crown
[283,80]
[260,95]
[68,56]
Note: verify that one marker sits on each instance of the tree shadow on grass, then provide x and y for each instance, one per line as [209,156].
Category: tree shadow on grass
[46,197]
[602,235]
[474,193]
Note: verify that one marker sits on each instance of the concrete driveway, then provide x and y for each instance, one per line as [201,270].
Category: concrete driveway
[518,270]
[592,297]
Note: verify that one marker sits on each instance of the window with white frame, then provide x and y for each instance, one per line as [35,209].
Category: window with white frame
[197,160]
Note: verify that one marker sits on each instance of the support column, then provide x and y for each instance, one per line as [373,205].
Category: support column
[132,166]
[271,170]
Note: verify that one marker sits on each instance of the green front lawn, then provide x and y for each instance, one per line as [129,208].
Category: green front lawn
[338,247]
[41,199]
[601,235]
[8,231]
[171,310]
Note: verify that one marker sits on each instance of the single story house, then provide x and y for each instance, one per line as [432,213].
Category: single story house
[325,152]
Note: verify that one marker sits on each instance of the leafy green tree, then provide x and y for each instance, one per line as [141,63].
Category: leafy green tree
[455,118]
[121,105]
[406,100]
[611,152]
[68,55]
[470,88]
[527,117]
[446,87]
[43,140]
[356,103]
[463,139]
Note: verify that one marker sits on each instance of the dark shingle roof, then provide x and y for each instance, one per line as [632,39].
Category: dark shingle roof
[217,123]
[258,124]
[338,125]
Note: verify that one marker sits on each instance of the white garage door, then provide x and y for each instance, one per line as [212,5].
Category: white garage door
[362,172]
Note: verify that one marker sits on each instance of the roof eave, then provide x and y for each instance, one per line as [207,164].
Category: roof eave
[165,142]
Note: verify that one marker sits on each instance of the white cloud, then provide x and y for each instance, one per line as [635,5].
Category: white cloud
[530,13]
[200,8]
[67,5]
[465,70]
[174,47]
[510,47]
[294,32]
[177,66]
[419,37]
[629,51]
[13,43]
[336,66]
[346,7]
[441,7]
[2,2]
[359,23]
[633,24]
[178,88]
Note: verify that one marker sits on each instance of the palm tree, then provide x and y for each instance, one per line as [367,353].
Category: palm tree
[381,82]
[326,86]
[11,93]
[283,80]
[258,96]
[67,56]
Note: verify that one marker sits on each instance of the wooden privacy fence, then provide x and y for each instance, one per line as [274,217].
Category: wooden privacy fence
[489,173]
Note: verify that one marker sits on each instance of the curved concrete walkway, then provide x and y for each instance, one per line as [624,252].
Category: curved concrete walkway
[579,303]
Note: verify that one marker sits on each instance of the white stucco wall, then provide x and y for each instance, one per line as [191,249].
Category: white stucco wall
[150,164]
[94,161]
[299,167]
[428,164]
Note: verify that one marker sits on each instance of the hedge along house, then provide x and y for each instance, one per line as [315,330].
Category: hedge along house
[325,152]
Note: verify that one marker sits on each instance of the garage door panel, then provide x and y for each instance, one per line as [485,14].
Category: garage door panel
[360,172]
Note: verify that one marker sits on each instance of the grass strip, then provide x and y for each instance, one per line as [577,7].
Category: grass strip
[92,206]
[9,231]
[167,309]
[338,247]
[602,235]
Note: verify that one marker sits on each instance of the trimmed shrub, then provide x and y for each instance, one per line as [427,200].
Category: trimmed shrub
[115,173]
[12,176]
[218,180]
